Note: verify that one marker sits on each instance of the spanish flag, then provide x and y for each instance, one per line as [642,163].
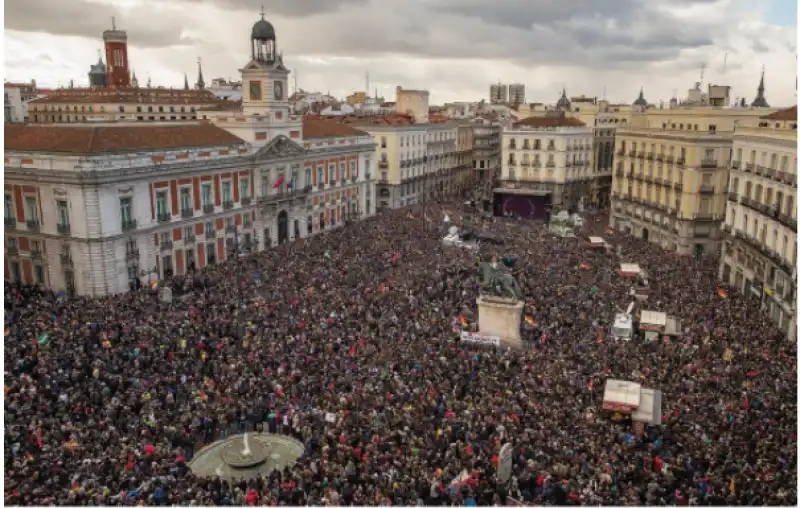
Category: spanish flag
[530,321]
[154,285]
[722,293]
[584,266]
[463,321]
[589,385]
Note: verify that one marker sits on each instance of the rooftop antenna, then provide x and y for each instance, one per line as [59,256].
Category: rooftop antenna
[113,23]
[366,87]
[725,64]
[702,72]
[295,80]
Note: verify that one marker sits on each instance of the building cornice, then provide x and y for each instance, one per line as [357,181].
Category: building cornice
[174,170]
[721,138]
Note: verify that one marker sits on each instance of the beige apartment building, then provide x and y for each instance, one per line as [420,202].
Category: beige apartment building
[417,161]
[671,172]
[759,252]
[545,164]
[85,105]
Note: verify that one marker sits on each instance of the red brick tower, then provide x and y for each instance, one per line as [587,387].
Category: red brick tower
[116,42]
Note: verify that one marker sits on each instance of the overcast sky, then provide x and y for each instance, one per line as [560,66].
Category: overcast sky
[454,48]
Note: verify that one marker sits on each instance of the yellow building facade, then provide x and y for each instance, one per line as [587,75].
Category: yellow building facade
[671,172]
[759,251]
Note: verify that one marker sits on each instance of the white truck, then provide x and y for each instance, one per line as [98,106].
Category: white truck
[624,400]
[622,329]
[640,284]
[654,323]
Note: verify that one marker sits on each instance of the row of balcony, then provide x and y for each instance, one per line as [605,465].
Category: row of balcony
[766,172]
[772,212]
[761,248]
[535,164]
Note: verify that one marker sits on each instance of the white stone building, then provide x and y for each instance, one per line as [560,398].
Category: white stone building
[548,158]
[759,253]
[90,208]
[15,110]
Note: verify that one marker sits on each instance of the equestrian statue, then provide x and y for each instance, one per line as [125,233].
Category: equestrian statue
[496,280]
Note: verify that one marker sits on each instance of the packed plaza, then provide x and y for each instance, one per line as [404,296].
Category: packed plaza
[273,299]
[107,399]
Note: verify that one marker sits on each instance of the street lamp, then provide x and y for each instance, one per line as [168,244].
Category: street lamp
[424,191]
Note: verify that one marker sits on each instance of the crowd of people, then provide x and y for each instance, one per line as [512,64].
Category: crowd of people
[107,399]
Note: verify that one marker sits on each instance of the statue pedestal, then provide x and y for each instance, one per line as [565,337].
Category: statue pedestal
[500,317]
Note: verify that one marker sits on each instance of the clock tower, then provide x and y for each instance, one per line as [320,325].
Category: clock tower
[265,79]
[266,113]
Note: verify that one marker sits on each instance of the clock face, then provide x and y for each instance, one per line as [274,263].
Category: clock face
[255,90]
[278,90]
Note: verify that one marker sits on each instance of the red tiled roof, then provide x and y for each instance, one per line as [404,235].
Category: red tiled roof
[128,96]
[438,118]
[787,114]
[109,139]
[321,128]
[549,121]
[388,105]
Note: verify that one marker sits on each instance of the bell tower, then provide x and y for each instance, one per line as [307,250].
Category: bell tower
[265,80]
[266,112]
[116,46]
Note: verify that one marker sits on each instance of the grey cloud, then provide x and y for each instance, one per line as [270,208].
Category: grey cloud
[82,18]
[528,32]
[759,47]
[287,8]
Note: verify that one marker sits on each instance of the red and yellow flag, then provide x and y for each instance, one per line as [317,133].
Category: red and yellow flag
[722,293]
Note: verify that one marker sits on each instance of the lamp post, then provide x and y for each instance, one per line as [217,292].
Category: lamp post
[424,191]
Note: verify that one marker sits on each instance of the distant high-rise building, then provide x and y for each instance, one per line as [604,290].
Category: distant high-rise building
[498,93]
[516,93]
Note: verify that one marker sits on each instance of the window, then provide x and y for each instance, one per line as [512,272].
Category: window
[264,185]
[309,224]
[353,169]
[205,192]
[16,272]
[383,141]
[118,62]
[161,204]
[209,228]
[210,257]
[320,176]
[294,181]
[308,177]
[342,171]
[38,273]
[163,237]
[9,209]
[186,199]
[244,188]
[30,209]
[321,221]
[226,191]
[331,172]
[62,209]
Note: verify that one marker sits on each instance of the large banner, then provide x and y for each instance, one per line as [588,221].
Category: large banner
[479,338]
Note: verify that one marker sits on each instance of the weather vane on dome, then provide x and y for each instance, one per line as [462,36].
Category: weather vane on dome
[262,11]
